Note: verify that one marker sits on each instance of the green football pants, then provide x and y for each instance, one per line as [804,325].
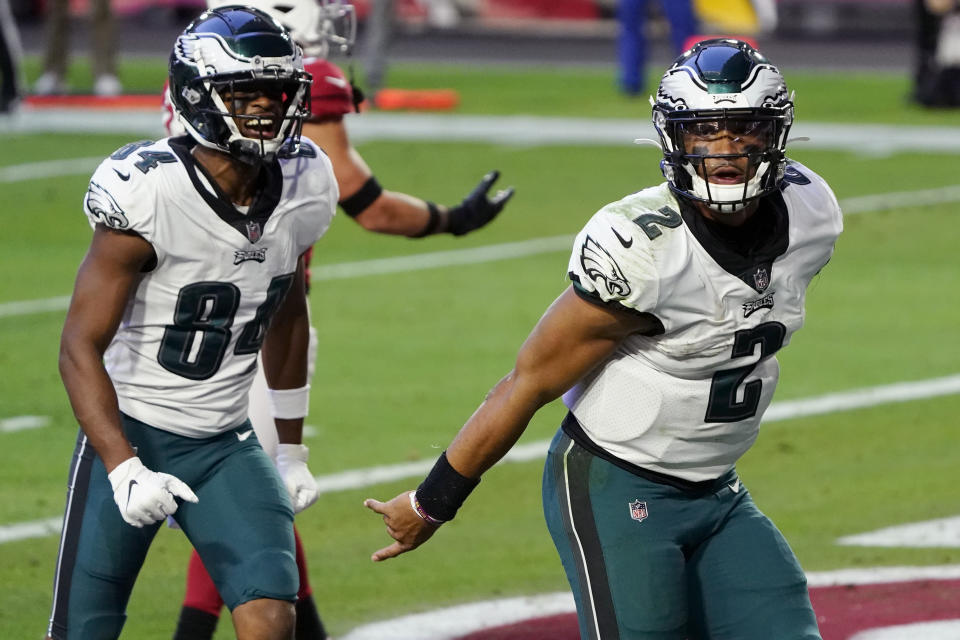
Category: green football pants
[242,527]
[648,561]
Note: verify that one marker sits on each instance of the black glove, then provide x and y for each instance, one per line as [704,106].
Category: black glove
[477,209]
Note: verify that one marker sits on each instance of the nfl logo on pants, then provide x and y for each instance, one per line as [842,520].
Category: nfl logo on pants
[638,510]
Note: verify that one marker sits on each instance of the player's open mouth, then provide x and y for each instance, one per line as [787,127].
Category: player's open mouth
[264,127]
[727,175]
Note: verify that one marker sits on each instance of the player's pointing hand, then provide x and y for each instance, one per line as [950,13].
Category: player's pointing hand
[144,496]
[404,523]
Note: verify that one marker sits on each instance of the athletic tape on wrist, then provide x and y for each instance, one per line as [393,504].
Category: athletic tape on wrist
[444,490]
[289,404]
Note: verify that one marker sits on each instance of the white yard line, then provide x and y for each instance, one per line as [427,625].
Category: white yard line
[49,169]
[942,532]
[21,423]
[510,130]
[373,476]
[505,251]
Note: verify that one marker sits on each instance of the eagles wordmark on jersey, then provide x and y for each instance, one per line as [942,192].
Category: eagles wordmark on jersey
[191,332]
[687,401]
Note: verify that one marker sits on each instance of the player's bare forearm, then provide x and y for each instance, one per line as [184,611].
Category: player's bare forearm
[284,352]
[105,281]
[94,400]
[571,339]
[399,214]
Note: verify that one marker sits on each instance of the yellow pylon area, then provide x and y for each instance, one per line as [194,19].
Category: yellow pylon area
[735,16]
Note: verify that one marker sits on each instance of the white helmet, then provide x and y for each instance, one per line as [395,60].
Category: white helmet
[318,26]
[723,84]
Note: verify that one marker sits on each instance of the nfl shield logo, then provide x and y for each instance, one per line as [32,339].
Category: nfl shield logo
[638,510]
[761,278]
[253,231]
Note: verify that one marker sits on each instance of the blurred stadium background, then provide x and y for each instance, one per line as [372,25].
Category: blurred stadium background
[857,464]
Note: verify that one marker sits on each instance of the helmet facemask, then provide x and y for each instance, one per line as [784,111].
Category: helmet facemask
[209,71]
[723,120]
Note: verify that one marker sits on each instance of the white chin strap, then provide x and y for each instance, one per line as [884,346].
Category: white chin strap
[727,198]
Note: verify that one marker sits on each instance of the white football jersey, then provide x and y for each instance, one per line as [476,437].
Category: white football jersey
[687,402]
[185,353]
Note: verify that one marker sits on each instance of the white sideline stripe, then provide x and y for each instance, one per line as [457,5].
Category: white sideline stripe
[510,130]
[863,398]
[942,532]
[20,423]
[49,169]
[458,621]
[27,307]
[372,476]
[504,251]
[379,266]
[31,529]
[416,262]
[461,620]
[898,199]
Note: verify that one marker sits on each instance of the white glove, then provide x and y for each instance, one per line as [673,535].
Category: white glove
[145,496]
[300,483]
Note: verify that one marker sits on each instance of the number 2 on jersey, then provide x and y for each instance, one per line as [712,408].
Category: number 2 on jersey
[194,345]
[723,405]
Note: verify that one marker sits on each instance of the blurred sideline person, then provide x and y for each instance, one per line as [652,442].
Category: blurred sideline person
[10,52]
[663,349]
[936,78]
[379,33]
[195,263]
[103,44]
[632,40]
[320,26]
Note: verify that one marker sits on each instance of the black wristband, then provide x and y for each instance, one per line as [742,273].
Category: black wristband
[363,198]
[444,490]
[432,223]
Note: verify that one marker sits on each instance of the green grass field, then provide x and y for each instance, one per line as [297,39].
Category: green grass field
[406,357]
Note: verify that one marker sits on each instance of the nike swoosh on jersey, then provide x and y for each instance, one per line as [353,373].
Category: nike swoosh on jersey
[243,436]
[123,176]
[626,243]
[735,486]
[335,81]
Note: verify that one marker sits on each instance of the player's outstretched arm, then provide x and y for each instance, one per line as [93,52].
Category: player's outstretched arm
[392,212]
[105,281]
[571,338]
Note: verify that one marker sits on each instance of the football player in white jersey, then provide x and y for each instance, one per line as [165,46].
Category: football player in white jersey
[322,27]
[663,349]
[195,263]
